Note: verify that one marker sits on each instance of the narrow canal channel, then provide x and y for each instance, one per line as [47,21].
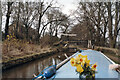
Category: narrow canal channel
[34,67]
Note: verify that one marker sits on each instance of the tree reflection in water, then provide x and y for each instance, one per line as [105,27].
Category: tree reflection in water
[34,67]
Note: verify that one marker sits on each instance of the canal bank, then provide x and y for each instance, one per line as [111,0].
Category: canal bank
[21,60]
[34,67]
[112,53]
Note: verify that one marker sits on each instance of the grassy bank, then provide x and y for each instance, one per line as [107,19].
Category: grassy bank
[14,48]
[17,60]
[20,60]
[16,52]
[112,53]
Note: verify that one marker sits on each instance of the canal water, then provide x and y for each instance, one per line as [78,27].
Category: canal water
[34,67]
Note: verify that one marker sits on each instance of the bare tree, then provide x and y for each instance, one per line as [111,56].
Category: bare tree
[9,9]
[0,22]
[103,17]
[113,28]
[91,14]
[41,11]
[48,16]
[24,15]
[61,21]
[17,21]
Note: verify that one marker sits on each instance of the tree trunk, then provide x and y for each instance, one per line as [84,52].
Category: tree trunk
[0,22]
[17,24]
[56,30]
[38,30]
[27,31]
[7,20]
[44,31]
[98,27]
[104,34]
[110,25]
[116,25]
[39,23]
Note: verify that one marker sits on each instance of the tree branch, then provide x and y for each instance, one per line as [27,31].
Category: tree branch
[118,30]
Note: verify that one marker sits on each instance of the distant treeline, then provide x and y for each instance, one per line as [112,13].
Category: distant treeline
[40,21]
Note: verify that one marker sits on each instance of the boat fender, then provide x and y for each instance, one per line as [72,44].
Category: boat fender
[81,51]
[46,73]
[50,71]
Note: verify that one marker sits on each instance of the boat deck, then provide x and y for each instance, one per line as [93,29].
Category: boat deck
[68,71]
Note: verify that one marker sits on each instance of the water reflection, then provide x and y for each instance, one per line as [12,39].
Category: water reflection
[28,69]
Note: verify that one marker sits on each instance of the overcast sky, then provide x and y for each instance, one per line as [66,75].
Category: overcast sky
[68,5]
